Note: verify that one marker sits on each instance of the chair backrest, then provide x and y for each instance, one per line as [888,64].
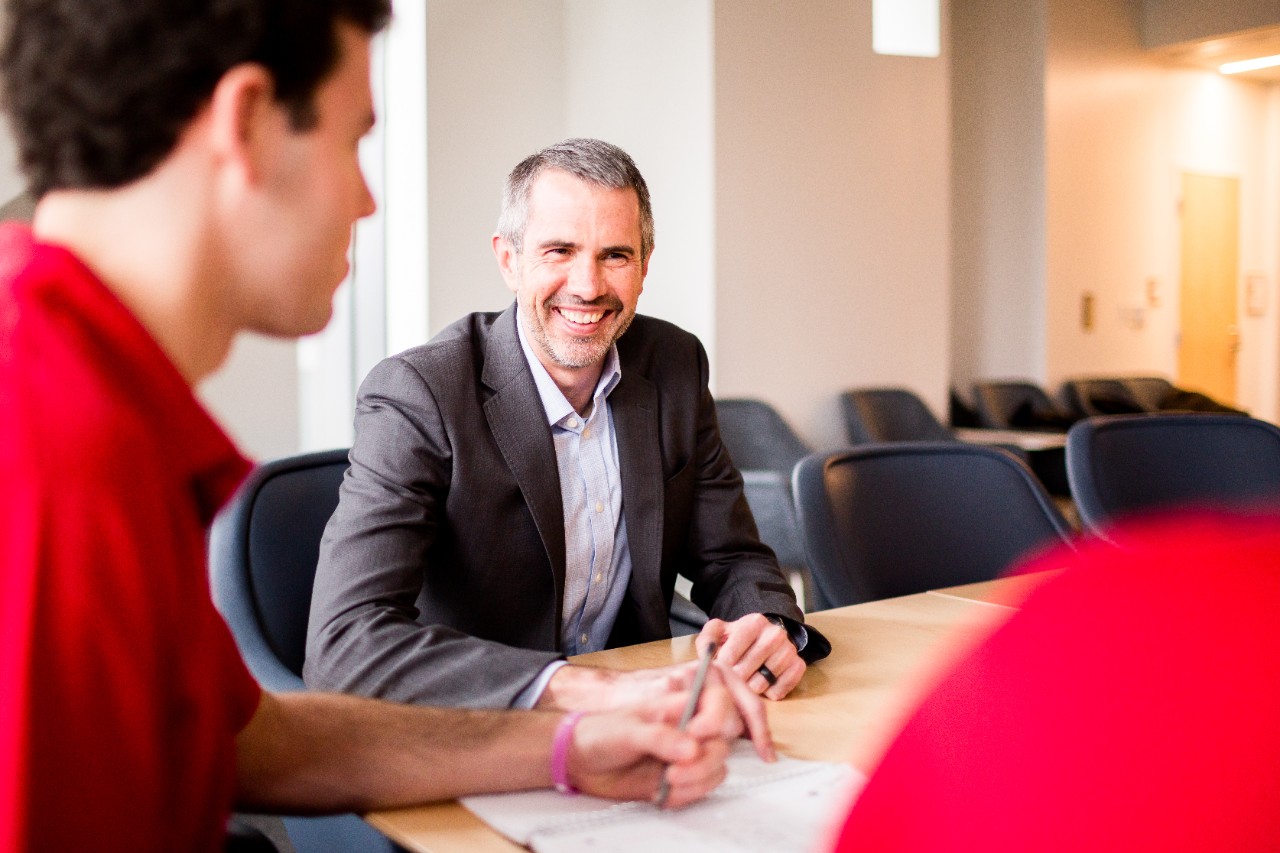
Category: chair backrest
[895,519]
[1089,398]
[765,449]
[960,411]
[757,437]
[1150,392]
[1126,465]
[1017,405]
[889,414]
[263,550]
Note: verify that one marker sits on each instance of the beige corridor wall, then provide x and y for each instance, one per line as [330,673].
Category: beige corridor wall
[998,192]
[1121,127]
[832,215]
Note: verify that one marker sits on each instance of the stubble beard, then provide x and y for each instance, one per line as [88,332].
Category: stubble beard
[576,353]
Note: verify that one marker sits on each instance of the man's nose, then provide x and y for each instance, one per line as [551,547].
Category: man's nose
[586,279]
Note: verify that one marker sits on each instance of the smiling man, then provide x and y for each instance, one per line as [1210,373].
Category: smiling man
[528,484]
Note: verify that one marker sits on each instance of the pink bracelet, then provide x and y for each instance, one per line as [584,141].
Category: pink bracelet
[560,752]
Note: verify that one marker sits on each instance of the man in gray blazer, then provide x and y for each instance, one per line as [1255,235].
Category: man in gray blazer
[528,484]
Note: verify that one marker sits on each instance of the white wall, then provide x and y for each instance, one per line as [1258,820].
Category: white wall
[507,77]
[832,211]
[495,93]
[255,396]
[656,103]
[1121,128]
[998,192]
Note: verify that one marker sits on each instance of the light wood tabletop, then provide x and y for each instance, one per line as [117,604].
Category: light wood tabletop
[1023,438]
[884,653]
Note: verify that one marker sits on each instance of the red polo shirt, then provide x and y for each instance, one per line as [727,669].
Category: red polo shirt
[121,689]
[1132,704]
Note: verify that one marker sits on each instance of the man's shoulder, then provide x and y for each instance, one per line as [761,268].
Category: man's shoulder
[652,345]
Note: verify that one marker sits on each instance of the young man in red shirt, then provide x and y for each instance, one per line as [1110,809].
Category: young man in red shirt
[1131,704]
[197,170]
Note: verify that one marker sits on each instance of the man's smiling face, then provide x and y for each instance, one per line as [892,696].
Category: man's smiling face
[580,272]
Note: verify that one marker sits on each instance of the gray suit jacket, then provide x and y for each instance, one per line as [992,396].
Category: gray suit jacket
[442,571]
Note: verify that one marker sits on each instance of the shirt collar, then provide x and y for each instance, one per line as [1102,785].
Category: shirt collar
[554,403]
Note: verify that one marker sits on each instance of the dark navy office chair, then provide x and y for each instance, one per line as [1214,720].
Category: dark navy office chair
[1018,405]
[894,519]
[263,550]
[889,414]
[766,449]
[1127,465]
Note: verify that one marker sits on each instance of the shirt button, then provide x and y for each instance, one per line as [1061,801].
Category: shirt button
[599,576]
[585,639]
[573,423]
[599,506]
[586,433]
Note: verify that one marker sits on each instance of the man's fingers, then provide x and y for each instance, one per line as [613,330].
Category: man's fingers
[692,780]
[751,710]
[739,638]
[712,632]
[787,680]
[780,663]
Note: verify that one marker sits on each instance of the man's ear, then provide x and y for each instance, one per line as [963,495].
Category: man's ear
[246,122]
[508,262]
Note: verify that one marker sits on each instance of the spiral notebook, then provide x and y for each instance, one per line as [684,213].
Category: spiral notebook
[790,805]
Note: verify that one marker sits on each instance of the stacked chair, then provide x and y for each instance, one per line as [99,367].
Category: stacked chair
[1023,405]
[898,518]
[1124,466]
[1134,395]
[1018,405]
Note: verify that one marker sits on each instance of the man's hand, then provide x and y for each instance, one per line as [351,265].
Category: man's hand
[582,688]
[623,754]
[750,643]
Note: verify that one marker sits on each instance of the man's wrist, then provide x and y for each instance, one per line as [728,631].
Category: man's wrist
[809,643]
[796,632]
[578,688]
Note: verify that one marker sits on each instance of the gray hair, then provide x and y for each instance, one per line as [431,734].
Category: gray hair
[590,160]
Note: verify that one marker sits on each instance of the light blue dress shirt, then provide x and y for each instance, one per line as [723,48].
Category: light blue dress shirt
[597,557]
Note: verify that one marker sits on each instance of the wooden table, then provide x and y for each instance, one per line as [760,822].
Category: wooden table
[884,653]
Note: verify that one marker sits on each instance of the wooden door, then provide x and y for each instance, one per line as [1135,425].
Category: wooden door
[1209,332]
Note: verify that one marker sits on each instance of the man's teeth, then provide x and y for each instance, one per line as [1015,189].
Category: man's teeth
[581,316]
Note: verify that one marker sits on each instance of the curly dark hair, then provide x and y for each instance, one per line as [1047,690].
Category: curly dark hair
[99,90]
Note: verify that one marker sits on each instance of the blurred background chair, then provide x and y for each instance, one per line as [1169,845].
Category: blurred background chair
[1089,398]
[1023,405]
[889,414]
[960,411]
[263,550]
[766,449]
[894,519]
[1018,404]
[1128,395]
[1149,392]
[1128,465]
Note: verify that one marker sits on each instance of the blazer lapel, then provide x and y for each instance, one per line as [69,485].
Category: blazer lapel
[635,417]
[518,422]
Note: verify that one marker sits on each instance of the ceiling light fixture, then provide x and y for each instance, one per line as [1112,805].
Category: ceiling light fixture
[1250,64]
